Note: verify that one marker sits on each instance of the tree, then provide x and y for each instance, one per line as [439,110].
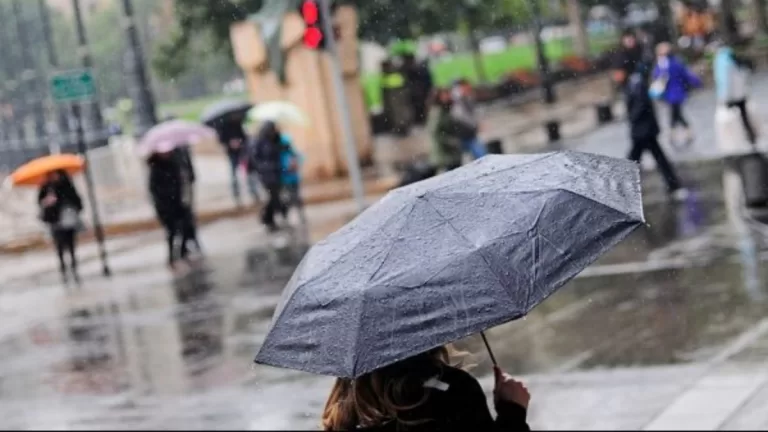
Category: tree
[199,20]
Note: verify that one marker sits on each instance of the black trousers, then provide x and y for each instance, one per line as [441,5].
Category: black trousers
[667,170]
[66,243]
[274,205]
[742,106]
[177,235]
[677,117]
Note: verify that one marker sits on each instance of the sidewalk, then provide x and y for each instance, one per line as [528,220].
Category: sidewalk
[32,264]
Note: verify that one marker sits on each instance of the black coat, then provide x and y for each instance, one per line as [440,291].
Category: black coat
[66,196]
[228,131]
[628,60]
[265,156]
[641,113]
[462,407]
[166,186]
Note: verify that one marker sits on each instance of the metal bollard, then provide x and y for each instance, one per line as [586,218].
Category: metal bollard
[604,113]
[553,131]
[494,147]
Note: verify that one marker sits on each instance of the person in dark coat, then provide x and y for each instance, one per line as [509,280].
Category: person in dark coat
[233,137]
[644,127]
[167,186]
[424,393]
[184,156]
[631,54]
[266,158]
[420,83]
[60,208]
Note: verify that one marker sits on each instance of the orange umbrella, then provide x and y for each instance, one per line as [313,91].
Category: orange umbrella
[34,173]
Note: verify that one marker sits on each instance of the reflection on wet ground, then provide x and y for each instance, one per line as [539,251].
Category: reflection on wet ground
[637,330]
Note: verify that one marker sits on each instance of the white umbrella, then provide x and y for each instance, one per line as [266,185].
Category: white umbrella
[278,112]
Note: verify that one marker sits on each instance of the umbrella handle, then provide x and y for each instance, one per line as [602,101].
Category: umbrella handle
[488,347]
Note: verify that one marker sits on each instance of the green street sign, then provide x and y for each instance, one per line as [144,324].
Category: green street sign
[73,86]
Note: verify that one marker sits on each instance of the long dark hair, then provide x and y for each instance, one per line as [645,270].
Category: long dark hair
[386,394]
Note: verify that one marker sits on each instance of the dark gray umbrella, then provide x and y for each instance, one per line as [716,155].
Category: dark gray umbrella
[449,257]
[220,110]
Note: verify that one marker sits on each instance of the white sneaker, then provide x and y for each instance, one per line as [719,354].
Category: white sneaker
[681,194]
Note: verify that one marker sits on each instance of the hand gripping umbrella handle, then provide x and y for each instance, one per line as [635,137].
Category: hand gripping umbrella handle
[488,347]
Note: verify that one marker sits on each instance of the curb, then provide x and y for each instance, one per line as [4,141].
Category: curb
[39,242]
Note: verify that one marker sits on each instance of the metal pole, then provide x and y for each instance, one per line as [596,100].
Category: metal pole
[96,121]
[546,78]
[353,161]
[141,89]
[98,229]
[62,119]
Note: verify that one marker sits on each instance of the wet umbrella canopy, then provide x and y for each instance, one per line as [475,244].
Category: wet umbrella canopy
[219,110]
[449,257]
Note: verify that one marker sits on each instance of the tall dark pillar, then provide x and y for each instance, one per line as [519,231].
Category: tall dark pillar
[141,89]
[544,69]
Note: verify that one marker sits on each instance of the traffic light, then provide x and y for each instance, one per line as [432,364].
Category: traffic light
[314,36]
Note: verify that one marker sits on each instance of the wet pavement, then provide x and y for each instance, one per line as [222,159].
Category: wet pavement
[667,331]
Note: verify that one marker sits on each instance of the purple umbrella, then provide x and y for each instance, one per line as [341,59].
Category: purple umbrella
[170,135]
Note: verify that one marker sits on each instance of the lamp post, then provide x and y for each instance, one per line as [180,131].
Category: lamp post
[96,121]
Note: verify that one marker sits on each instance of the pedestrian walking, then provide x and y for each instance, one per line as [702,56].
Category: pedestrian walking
[233,138]
[731,74]
[425,393]
[60,208]
[464,110]
[420,84]
[672,81]
[447,133]
[291,160]
[168,186]
[644,128]
[631,53]
[184,157]
[266,157]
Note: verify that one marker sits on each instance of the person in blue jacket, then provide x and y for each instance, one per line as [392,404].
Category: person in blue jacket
[732,73]
[677,80]
[290,160]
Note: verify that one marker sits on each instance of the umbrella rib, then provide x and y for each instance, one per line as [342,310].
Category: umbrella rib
[472,245]
[392,246]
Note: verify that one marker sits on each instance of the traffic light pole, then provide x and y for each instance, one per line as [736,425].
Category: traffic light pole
[98,229]
[353,161]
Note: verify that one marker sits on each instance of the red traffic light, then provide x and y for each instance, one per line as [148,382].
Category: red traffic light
[310,12]
[313,37]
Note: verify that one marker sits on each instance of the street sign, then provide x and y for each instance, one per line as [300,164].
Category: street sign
[73,86]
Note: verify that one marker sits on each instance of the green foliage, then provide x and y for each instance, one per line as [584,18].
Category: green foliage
[196,20]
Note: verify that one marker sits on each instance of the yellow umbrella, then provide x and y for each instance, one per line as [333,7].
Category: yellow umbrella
[35,172]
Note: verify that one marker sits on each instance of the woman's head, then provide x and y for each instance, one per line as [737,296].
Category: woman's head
[269,131]
[384,394]
[663,49]
[443,98]
[53,176]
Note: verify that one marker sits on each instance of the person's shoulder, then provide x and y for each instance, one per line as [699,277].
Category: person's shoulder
[457,377]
